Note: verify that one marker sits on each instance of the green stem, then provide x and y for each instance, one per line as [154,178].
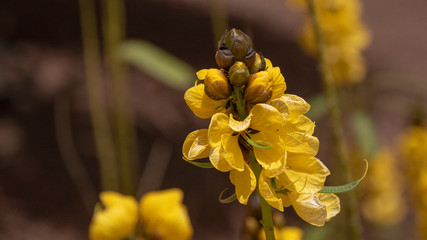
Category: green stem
[100,122]
[267,219]
[240,103]
[114,34]
[354,227]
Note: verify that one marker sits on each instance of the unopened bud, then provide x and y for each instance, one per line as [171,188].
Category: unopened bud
[216,85]
[238,43]
[259,64]
[250,57]
[238,74]
[259,88]
[224,58]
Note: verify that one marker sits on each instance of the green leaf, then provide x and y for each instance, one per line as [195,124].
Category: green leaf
[199,164]
[257,145]
[364,129]
[318,107]
[228,199]
[165,67]
[346,187]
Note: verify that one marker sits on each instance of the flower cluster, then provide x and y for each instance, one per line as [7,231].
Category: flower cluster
[413,144]
[161,214]
[383,202]
[344,34]
[258,133]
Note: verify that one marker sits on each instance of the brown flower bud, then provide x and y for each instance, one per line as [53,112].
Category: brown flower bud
[216,85]
[238,43]
[259,64]
[224,58]
[238,74]
[259,88]
[250,57]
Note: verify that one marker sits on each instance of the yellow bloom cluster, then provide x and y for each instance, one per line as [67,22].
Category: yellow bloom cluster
[252,118]
[383,202]
[161,214]
[414,150]
[344,34]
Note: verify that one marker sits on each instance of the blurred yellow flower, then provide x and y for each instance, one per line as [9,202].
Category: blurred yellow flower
[383,202]
[344,35]
[161,214]
[117,220]
[285,233]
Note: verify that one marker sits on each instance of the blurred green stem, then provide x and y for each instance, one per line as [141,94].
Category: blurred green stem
[354,227]
[103,137]
[219,19]
[113,25]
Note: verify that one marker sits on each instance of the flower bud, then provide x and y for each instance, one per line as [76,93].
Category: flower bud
[259,64]
[216,85]
[224,58]
[259,88]
[250,57]
[238,43]
[238,74]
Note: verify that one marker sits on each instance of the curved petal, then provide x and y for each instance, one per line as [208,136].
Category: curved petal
[303,174]
[218,161]
[232,152]
[196,145]
[278,82]
[296,104]
[244,182]
[239,126]
[201,105]
[282,107]
[299,123]
[298,142]
[309,208]
[332,203]
[264,117]
[273,160]
[162,213]
[268,193]
[218,127]
[201,74]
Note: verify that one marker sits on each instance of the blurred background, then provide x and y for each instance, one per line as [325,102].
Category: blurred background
[49,173]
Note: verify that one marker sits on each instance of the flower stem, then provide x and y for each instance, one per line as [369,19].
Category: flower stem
[354,227]
[267,219]
[240,103]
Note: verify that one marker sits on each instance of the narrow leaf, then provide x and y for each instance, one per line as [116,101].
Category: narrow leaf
[228,199]
[257,145]
[346,187]
[158,63]
[199,164]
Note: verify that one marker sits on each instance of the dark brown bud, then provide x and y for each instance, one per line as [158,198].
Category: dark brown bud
[224,58]
[250,58]
[216,85]
[238,43]
[259,88]
[238,74]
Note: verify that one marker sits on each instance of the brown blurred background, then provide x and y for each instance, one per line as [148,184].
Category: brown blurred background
[44,114]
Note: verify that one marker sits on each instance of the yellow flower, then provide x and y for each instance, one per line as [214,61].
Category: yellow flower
[284,233]
[200,103]
[383,203]
[117,220]
[163,215]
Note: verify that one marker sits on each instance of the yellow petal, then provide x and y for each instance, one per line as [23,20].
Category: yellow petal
[282,107]
[201,105]
[332,203]
[267,192]
[196,145]
[117,220]
[297,105]
[218,161]
[298,123]
[309,208]
[218,127]
[201,74]
[232,152]
[268,63]
[278,82]
[264,117]
[239,126]
[273,160]
[298,142]
[303,174]
[244,182]
[163,214]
